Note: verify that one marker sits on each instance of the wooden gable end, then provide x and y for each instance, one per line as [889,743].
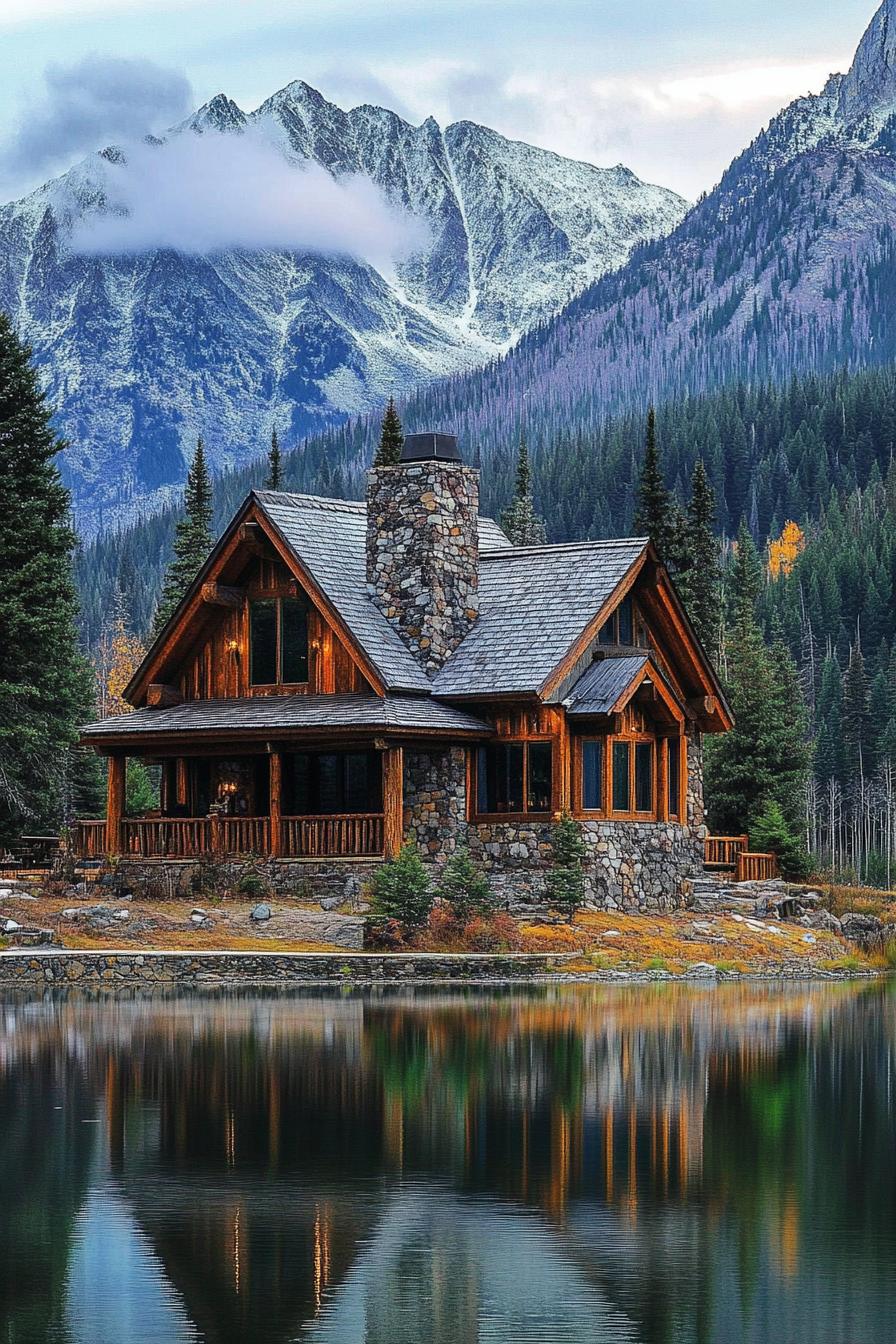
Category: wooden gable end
[659,625]
[204,652]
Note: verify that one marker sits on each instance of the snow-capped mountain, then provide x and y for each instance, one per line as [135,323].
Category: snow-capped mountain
[788,266]
[142,351]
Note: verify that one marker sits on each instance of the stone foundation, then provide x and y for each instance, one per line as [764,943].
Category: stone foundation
[289,879]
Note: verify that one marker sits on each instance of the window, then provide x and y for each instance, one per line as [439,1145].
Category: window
[323,783]
[278,642]
[620,627]
[622,793]
[624,613]
[643,776]
[593,774]
[514,777]
[262,643]
[673,746]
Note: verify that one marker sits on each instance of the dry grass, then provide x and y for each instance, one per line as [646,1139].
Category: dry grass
[840,898]
[672,942]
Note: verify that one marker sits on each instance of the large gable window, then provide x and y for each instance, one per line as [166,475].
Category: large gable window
[278,642]
[514,779]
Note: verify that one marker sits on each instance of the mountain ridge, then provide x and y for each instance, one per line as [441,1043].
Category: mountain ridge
[143,352]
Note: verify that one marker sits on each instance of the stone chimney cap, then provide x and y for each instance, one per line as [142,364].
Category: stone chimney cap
[425,447]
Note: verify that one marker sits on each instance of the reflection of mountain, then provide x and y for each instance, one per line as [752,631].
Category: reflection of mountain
[574,1164]
[440,1266]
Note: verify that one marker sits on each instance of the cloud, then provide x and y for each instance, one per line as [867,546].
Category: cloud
[211,193]
[88,103]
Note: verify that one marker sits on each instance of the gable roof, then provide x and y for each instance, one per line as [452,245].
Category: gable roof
[534,602]
[329,538]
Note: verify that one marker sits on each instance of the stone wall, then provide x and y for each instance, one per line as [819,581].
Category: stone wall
[291,879]
[630,866]
[423,553]
[197,969]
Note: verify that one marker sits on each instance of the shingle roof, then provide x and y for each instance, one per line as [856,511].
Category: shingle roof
[328,536]
[598,689]
[533,604]
[283,712]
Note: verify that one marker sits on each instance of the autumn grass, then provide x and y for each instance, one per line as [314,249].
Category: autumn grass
[840,898]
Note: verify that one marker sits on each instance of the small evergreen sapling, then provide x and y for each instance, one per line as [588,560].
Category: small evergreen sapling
[771,833]
[520,521]
[274,479]
[400,891]
[464,888]
[566,879]
[388,454]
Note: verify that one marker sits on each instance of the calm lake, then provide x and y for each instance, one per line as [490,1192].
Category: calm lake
[574,1163]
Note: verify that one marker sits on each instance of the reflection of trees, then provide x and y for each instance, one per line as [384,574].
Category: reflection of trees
[679,1148]
[46,1156]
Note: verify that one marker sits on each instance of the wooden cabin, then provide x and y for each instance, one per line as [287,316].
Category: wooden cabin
[342,676]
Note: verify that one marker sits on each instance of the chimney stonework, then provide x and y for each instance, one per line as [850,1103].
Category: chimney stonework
[423,553]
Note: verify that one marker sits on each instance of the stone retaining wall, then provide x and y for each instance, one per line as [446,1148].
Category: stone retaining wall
[255,968]
[292,879]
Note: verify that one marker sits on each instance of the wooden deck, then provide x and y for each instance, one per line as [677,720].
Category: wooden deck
[359,835]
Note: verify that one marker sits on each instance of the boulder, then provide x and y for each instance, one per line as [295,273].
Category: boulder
[261,912]
[867,931]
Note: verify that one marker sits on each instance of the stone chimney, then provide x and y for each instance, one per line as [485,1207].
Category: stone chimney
[423,546]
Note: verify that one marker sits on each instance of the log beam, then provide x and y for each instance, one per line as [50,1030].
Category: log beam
[275,803]
[221,595]
[393,800]
[115,796]
[161,696]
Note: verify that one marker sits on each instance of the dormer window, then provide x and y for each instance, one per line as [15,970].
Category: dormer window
[278,642]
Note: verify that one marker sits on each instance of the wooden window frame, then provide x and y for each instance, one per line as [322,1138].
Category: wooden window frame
[536,739]
[608,812]
[277,599]
[677,742]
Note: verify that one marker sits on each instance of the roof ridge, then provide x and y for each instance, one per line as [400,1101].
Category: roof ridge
[551,548]
[318,501]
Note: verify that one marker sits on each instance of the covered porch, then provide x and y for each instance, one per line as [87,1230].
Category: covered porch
[318,803]
[282,777]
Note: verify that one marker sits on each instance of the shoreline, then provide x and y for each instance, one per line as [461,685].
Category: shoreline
[125,968]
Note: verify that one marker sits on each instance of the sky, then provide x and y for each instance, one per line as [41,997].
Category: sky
[671,88]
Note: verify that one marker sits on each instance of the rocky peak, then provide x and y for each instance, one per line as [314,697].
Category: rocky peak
[219,114]
[871,82]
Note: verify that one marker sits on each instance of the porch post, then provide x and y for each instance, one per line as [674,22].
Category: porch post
[393,800]
[663,747]
[275,807]
[115,793]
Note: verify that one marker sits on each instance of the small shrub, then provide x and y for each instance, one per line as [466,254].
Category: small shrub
[770,833]
[656,964]
[400,891]
[252,885]
[566,879]
[464,888]
[491,933]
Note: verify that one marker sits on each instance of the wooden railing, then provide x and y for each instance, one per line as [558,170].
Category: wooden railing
[755,867]
[165,837]
[354,836]
[358,835]
[89,839]
[721,851]
[241,835]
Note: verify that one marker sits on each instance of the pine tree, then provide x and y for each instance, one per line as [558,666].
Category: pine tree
[702,581]
[192,539]
[520,521]
[274,478]
[45,683]
[388,454]
[657,516]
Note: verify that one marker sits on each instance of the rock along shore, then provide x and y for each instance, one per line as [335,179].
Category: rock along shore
[31,969]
